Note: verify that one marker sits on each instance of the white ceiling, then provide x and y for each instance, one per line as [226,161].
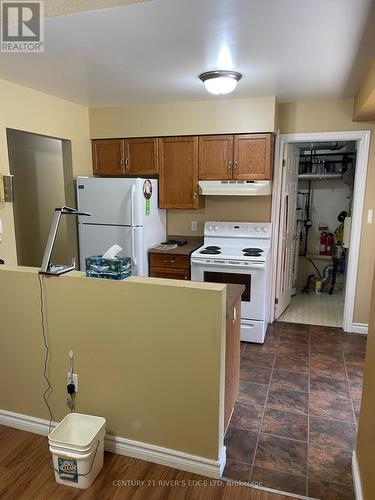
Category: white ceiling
[154,51]
[53,8]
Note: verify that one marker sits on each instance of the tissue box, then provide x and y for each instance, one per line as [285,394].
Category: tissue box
[118,268]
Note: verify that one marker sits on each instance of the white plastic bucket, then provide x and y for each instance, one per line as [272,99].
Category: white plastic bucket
[77,447]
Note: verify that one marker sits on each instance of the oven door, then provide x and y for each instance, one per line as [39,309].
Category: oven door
[251,275]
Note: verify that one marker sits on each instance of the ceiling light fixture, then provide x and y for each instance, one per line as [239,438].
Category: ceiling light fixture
[220,82]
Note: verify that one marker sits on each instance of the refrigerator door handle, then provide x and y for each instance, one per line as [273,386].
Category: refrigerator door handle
[134,260]
[132,205]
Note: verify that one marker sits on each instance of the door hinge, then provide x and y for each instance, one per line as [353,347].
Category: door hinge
[284,163]
[276,300]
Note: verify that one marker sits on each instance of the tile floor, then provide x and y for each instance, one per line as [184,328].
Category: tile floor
[294,425]
[313,309]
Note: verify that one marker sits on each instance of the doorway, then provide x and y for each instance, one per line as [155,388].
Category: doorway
[317,215]
[42,180]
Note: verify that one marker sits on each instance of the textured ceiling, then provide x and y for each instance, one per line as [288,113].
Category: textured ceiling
[55,8]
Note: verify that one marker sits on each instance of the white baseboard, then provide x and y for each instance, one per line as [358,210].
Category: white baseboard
[135,449]
[166,456]
[356,478]
[360,328]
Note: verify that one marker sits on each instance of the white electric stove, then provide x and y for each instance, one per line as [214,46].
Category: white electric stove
[238,253]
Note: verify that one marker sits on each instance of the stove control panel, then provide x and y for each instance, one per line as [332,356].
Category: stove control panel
[238,229]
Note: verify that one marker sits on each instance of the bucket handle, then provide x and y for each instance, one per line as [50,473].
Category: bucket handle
[92,463]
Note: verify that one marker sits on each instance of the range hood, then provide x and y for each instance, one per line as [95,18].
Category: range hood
[235,188]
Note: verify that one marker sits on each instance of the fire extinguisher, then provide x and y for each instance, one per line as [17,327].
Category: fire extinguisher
[330,243]
[323,243]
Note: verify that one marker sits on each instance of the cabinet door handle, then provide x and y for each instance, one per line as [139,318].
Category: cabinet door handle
[230,166]
[126,163]
[169,261]
[236,167]
[122,164]
[194,195]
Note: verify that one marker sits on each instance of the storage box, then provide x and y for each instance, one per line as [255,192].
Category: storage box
[77,447]
[118,268]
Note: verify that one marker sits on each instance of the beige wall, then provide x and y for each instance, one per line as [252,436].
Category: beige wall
[364,102]
[336,115]
[141,351]
[366,432]
[208,117]
[223,208]
[183,118]
[22,108]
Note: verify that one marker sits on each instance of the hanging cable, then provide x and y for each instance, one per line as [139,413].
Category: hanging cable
[46,356]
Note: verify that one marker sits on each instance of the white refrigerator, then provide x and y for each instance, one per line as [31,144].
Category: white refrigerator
[123,211]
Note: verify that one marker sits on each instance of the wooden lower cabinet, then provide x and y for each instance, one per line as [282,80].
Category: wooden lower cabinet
[169,266]
[172,274]
[232,360]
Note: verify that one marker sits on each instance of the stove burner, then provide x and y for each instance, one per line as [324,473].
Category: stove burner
[212,247]
[208,251]
[252,254]
[256,250]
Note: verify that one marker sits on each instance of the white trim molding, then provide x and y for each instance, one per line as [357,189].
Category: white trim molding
[360,328]
[356,478]
[362,137]
[166,456]
[135,449]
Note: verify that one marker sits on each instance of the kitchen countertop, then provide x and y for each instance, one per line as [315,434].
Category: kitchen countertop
[193,242]
[234,292]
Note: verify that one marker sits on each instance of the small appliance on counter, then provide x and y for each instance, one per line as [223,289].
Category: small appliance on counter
[123,211]
[238,253]
[179,243]
[170,244]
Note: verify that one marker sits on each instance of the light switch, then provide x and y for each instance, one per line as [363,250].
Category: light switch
[194,225]
[369,215]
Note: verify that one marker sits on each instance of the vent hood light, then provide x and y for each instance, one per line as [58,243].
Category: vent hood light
[220,82]
[235,188]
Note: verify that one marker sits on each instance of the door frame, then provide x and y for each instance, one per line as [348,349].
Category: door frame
[362,137]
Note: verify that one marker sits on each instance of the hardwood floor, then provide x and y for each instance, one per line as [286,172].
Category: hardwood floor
[25,474]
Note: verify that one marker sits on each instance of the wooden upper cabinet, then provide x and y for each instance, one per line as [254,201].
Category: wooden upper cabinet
[253,156]
[215,157]
[125,156]
[178,167]
[107,156]
[141,156]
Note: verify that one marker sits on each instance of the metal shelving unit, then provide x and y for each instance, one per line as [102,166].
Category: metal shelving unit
[314,177]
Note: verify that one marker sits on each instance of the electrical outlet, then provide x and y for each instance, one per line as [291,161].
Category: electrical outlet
[194,225]
[75,380]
